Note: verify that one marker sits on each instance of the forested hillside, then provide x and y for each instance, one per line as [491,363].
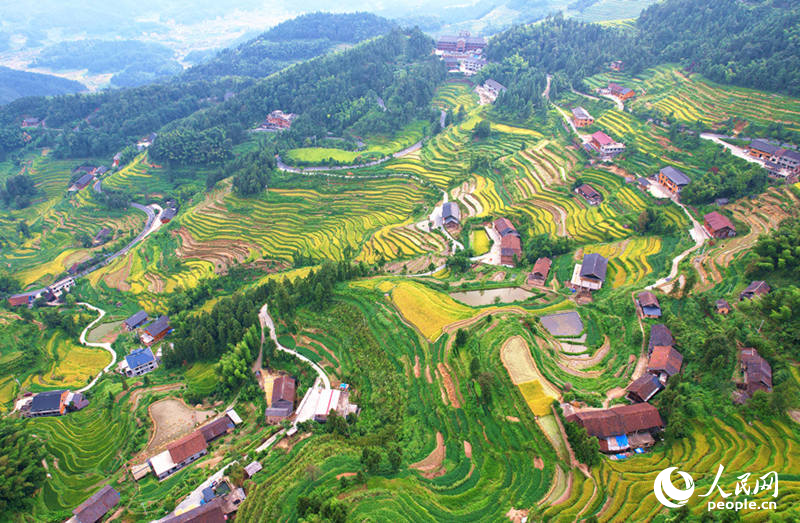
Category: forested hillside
[289,42]
[14,84]
[729,41]
[330,93]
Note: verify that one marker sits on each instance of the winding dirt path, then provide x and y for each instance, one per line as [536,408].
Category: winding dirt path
[101,345]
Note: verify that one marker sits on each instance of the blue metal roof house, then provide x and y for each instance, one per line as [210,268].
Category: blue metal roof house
[139,361]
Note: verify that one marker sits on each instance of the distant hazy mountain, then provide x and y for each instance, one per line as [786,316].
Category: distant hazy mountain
[16,84]
[292,41]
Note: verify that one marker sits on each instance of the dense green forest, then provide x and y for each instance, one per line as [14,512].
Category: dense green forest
[335,92]
[289,42]
[14,84]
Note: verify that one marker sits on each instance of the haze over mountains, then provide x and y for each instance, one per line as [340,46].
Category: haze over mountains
[127,43]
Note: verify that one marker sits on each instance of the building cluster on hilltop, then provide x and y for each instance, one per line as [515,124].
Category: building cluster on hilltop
[462,53]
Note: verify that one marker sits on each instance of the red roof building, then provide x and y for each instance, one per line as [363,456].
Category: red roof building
[718,225]
[510,249]
[540,271]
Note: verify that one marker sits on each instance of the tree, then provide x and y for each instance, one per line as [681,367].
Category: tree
[461,337]
[483,129]
[395,456]
[21,471]
[371,459]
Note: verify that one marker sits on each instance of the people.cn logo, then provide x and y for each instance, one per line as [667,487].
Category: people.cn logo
[666,492]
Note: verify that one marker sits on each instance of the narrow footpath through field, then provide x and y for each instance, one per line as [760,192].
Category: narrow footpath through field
[102,345]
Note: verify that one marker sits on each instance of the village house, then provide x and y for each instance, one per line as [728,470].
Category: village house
[168,214]
[252,469]
[146,142]
[280,120]
[664,362]
[327,400]
[216,428]
[32,122]
[660,336]
[623,93]
[233,416]
[605,145]
[135,321]
[589,274]
[463,43]
[50,403]
[156,331]
[218,504]
[673,179]
[97,506]
[61,286]
[621,428]
[494,87]
[179,454]
[581,117]
[451,62]
[53,403]
[115,161]
[723,307]
[589,194]
[755,289]
[510,245]
[648,305]
[451,215]
[82,182]
[471,64]
[756,374]
[617,65]
[283,396]
[762,149]
[718,225]
[643,388]
[140,361]
[26,298]
[510,249]
[541,269]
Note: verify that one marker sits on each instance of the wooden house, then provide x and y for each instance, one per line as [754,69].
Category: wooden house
[589,194]
[664,362]
[643,388]
[621,92]
[621,428]
[718,225]
[283,396]
[648,305]
[723,307]
[97,506]
[755,289]
[541,269]
[756,371]
[660,336]
[156,331]
[590,274]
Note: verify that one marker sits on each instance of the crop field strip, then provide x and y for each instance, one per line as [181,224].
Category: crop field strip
[694,98]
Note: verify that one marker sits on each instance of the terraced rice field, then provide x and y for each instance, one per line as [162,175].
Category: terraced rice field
[54,221]
[627,260]
[669,90]
[83,450]
[627,493]
[321,224]
[399,241]
[73,364]
[424,308]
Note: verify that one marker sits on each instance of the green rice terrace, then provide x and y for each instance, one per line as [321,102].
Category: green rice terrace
[443,306]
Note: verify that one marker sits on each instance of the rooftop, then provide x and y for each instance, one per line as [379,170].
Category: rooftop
[602,138]
[139,357]
[158,326]
[665,359]
[660,336]
[47,401]
[718,221]
[96,506]
[137,319]
[581,113]
[675,176]
[594,266]
[188,445]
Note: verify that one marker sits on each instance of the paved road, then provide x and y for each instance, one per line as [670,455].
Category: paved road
[153,211]
[102,345]
[442,118]
[736,151]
